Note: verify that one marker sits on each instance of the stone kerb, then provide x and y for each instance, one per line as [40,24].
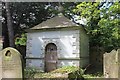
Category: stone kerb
[11,63]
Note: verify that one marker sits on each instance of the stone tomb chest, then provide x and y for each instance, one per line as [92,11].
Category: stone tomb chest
[57,42]
[11,63]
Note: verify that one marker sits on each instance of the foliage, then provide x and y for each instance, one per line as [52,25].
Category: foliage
[43,75]
[72,71]
[103,23]
[21,40]
[93,76]
[29,72]
[65,69]
[27,14]
[91,12]
[110,26]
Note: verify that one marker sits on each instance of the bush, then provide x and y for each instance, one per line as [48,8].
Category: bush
[73,72]
[65,69]
[70,72]
[30,72]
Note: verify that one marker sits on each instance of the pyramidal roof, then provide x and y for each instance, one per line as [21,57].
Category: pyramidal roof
[55,22]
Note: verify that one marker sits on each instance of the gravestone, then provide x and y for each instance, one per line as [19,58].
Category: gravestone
[112,64]
[11,63]
[0,65]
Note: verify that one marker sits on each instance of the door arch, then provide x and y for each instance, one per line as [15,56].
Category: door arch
[50,57]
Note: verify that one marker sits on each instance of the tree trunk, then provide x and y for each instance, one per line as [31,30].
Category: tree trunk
[9,25]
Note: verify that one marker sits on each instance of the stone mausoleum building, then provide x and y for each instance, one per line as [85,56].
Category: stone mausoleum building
[57,42]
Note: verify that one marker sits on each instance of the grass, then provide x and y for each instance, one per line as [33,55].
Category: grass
[58,73]
[50,75]
[64,72]
[93,76]
[65,69]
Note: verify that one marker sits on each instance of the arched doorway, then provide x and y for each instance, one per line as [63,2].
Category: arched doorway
[50,57]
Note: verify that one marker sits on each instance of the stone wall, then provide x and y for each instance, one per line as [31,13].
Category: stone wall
[112,64]
[67,43]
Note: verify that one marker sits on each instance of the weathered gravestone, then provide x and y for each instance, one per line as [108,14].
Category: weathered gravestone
[0,58]
[11,63]
[0,65]
[112,64]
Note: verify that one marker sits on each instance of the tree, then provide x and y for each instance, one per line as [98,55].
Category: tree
[26,15]
[9,25]
[21,17]
[110,26]
[102,23]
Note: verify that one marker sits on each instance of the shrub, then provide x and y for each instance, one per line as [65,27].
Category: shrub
[73,72]
[65,69]
[30,72]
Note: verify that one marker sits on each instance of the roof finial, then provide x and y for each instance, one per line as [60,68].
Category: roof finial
[60,9]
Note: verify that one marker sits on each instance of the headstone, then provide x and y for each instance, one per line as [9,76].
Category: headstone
[112,64]
[11,63]
[119,63]
[0,65]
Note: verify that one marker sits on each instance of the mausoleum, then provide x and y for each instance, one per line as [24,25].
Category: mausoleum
[57,42]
